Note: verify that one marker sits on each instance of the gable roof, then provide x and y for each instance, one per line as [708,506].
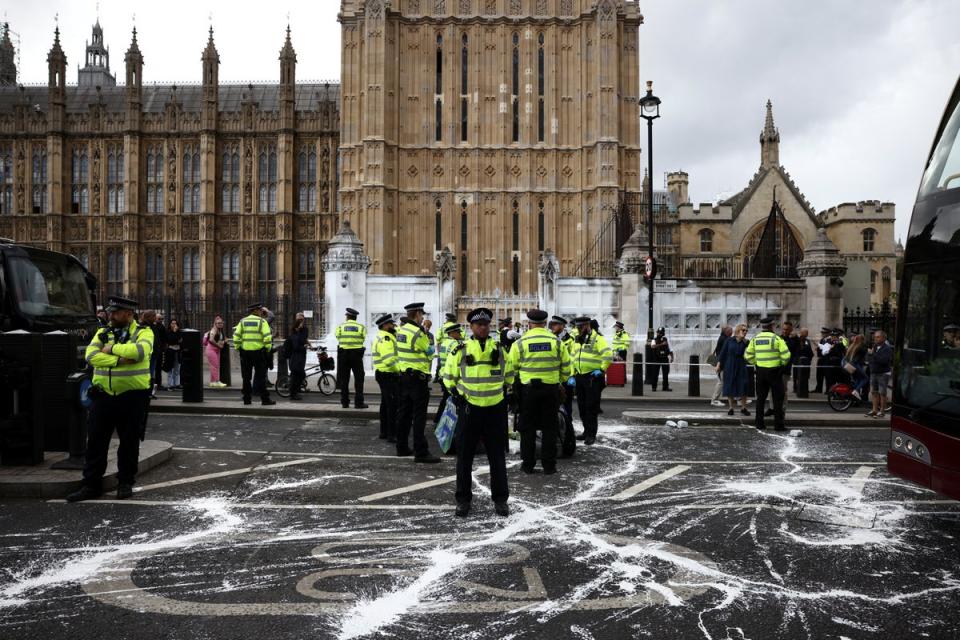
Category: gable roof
[740,199]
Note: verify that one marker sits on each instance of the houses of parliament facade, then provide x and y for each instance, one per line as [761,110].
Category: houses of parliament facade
[494,128]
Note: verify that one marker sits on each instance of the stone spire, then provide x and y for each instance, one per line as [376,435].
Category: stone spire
[769,141]
[96,69]
[209,114]
[8,57]
[134,62]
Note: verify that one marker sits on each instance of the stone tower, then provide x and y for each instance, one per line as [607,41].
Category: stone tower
[769,141]
[496,129]
[8,58]
[96,70]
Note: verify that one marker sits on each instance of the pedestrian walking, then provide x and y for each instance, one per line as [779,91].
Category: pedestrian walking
[732,367]
[453,335]
[120,394]
[351,337]
[714,359]
[542,364]
[855,364]
[769,354]
[621,341]
[386,371]
[558,327]
[661,357]
[295,351]
[478,376]
[591,356]
[415,354]
[214,341]
[823,348]
[880,361]
[253,340]
[171,355]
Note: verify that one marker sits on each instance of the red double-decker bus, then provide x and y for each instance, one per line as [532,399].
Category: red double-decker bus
[925,427]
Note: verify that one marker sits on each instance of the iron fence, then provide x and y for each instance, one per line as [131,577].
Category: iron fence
[882,317]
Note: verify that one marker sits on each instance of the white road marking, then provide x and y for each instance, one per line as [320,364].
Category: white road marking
[422,485]
[223,474]
[650,482]
[296,453]
[859,479]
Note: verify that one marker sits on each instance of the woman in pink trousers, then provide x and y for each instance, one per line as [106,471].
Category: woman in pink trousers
[215,340]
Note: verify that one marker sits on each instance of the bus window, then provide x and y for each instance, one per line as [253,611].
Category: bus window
[929,377]
[943,172]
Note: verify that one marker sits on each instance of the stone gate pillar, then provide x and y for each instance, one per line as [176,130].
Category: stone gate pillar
[549,272]
[446,267]
[345,269]
[822,268]
[633,290]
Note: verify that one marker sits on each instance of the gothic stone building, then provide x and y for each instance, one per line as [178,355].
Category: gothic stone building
[190,192]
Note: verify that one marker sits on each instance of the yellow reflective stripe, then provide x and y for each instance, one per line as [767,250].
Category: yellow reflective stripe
[121,373]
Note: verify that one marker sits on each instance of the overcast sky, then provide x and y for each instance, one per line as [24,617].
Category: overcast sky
[858,87]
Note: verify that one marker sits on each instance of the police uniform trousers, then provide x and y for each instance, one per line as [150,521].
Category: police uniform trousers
[656,368]
[570,436]
[124,413]
[539,405]
[389,403]
[350,361]
[769,382]
[821,375]
[489,424]
[253,367]
[412,415]
[589,389]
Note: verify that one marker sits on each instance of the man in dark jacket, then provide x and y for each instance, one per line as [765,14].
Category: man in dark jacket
[660,358]
[802,360]
[725,333]
[880,361]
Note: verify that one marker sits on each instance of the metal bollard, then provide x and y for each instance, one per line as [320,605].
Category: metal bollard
[803,378]
[191,365]
[637,384]
[693,385]
[751,381]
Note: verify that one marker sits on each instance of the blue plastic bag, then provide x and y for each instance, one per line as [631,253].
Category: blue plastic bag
[447,426]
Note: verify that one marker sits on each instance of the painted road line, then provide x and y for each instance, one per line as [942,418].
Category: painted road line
[651,482]
[360,456]
[373,497]
[223,474]
[859,479]
[267,505]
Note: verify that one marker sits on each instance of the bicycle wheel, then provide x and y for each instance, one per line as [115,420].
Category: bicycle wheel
[283,387]
[837,402]
[327,384]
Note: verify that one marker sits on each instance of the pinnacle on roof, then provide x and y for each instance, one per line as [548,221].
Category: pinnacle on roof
[770,131]
[210,52]
[287,51]
[134,46]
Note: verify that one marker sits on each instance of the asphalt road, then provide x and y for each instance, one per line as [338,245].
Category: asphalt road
[291,528]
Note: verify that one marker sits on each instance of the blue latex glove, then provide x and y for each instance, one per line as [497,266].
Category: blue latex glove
[429,351]
[571,381]
[596,373]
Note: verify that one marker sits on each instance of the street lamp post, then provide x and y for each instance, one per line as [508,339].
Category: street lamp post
[650,111]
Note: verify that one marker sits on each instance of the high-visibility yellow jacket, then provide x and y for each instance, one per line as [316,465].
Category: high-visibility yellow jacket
[413,341]
[113,377]
[483,383]
[767,350]
[385,355]
[252,334]
[444,346]
[621,341]
[351,335]
[540,355]
[591,355]
[448,344]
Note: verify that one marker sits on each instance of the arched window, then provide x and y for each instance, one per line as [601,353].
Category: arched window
[191,276]
[438,91]
[267,274]
[515,208]
[540,226]
[307,178]
[306,277]
[886,276]
[869,239]
[437,227]
[79,195]
[873,281]
[267,177]
[706,240]
[230,179]
[114,284]
[6,180]
[155,188]
[463,247]
[464,87]
[191,179]
[230,272]
[515,98]
[115,191]
[40,179]
[154,274]
[541,116]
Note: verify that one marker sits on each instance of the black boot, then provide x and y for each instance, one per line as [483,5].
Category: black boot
[502,509]
[463,509]
[124,491]
[267,402]
[84,493]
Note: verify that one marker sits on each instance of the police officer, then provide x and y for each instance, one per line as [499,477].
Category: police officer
[351,336]
[542,364]
[661,356]
[478,376]
[120,357]
[591,356]
[452,336]
[253,339]
[504,333]
[415,354]
[558,327]
[451,319]
[769,354]
[386,368]
[621,341]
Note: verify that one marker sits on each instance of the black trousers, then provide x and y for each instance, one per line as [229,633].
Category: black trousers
[412,414]
[443,403]
[569,437]
[389,396]
[253,370]
[589,389]
[539,404]
[769,382]
[655,369]
[297,364]
[821,376]
[123,413]
[350,361]
[490,424]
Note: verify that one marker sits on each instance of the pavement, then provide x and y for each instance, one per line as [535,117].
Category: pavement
[291,527]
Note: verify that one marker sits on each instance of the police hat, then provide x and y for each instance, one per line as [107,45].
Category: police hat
[353,313]
[507,320]
[382,320]
[451,317]
[415,306]
[450,327]
[537,315]
[581,320]
[116,303]
[255,307]
[766,321]
[480,315]
[837,332]
[952,327]
[824,330]
[558,320]
[618,324]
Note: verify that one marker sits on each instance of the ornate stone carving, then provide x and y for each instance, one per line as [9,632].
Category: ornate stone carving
[38,230]
[633,256]
[465,8]
[76,229]
[566,7]
[515,7]
[822,258]
[549,266]
[439,7]
[267,228]
[541,7]
[345,252]
[190,228]
[490,7]
[413,6]
[248,177]
[153,229]
[446,265]
[304,228]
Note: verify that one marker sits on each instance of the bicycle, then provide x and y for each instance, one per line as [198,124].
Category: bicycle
[326,382]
